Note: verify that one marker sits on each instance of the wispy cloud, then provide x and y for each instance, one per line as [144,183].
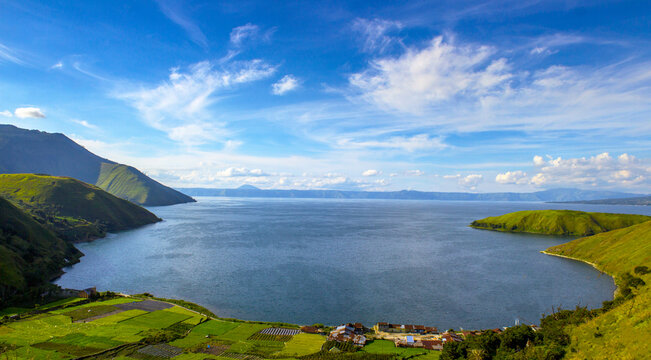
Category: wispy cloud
[58,65]
[180,106]
[375,33]
[28,112]
[84,123]
[175,12]
[284,85]
[409,144]
[7,54]
[6,113]
[241,33]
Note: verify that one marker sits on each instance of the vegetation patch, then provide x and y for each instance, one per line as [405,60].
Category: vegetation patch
[559,222]
[74,350]
[91,311]
[303,344]
[214,327]
[157,319]
[243,331]
[270,337]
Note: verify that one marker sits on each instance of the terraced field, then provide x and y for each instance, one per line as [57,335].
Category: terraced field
[129,328]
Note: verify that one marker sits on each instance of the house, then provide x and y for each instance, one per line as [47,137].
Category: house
[310,330]
[432,344]
[346,333]
[86,293]
[409,329]
[450,337]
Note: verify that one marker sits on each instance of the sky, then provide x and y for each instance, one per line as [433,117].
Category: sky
[477,96]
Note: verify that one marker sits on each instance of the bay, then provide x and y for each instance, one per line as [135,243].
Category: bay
[334,261]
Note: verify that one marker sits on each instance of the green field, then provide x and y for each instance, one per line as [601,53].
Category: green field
[559,222]
[387,347]
[303,344]
[157,319]
[54,335]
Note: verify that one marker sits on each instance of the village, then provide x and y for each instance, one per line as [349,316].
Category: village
[402,335]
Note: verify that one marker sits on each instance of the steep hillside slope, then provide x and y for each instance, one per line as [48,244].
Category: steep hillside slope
[559,222]
[615,251]
[32,151]
[128,183]
[624,331]
[73,209]
[30,254]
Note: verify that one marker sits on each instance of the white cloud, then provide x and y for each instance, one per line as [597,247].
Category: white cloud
[409,144]
[175,13]
[469,182]
[58,65]
[375,33]
[6,113]
[241,33]
[181,105]
[371,172]
[237,172]
[29,112]
[8,54]
[284,85]
[421,78]
[84,123]
[512,177]
[415,172]
[602,171]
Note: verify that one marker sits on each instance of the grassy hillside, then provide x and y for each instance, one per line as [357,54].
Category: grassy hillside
[622,332]
[614,252]
[128,183]
[32,151]
[30,254]
[73,209]
[559,222]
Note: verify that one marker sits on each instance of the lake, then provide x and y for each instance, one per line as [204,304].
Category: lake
[334,261]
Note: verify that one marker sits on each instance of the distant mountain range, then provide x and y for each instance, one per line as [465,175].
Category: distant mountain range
[641,200]
[33,151]
[554,195]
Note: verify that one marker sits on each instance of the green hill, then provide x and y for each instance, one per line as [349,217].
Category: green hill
[128,183]
[559,222]
[30,254]
[73,209]
[624,331]
[32,151]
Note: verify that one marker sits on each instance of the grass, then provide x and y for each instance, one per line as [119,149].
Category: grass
[303,344]
[128,183]
[387,347]
[214,327]
[88,312]
[156,319]
[116,318]
[243,332]
[64,204]
[614,252]
[559,222]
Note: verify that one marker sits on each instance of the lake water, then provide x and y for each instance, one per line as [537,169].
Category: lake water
[334,261]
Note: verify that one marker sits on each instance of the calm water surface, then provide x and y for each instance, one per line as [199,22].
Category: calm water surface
[333,261]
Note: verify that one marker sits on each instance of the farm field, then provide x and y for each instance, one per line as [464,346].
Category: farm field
[125,328]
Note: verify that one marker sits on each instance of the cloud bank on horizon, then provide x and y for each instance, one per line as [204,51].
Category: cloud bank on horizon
[433,96]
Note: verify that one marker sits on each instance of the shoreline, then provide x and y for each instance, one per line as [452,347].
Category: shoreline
[586,262]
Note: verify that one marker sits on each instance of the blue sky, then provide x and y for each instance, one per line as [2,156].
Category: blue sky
[435,96]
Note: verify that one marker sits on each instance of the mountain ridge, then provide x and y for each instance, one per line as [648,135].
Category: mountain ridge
[562,194]
[39,152]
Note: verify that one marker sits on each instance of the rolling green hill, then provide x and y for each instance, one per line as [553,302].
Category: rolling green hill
[30,254]
[559,222]
[32,151]
[624,331]
[128,183]
[73,209]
